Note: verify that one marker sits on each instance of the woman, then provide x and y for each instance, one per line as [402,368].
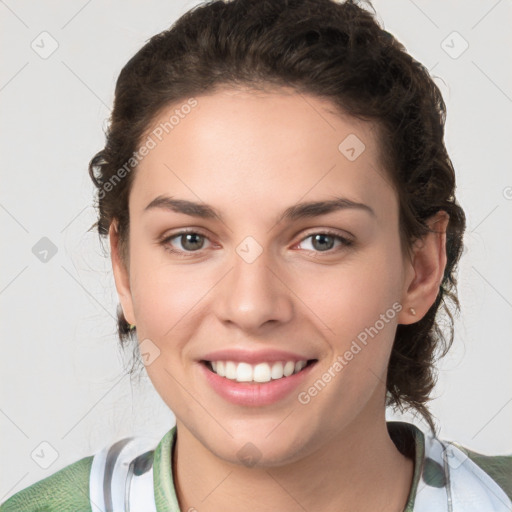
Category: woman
[283,227]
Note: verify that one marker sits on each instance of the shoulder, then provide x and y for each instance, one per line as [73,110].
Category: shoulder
[498,467]
[65,490]
[450,476]
[118,472]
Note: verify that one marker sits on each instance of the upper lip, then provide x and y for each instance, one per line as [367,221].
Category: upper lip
[253,356]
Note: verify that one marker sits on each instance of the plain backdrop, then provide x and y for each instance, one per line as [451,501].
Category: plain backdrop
[63,392]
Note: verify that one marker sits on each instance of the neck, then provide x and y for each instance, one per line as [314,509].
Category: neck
[359,468]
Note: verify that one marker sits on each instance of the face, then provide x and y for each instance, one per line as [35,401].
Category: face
[259,279]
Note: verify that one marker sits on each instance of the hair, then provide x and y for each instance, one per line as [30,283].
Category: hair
[331,50]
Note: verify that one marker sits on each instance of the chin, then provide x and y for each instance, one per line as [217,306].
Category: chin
[260,448]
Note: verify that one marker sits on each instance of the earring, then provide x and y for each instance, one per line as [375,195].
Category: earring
[413,311]
[131,327]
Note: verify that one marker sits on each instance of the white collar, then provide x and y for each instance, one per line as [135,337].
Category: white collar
[452,482]
[122,477]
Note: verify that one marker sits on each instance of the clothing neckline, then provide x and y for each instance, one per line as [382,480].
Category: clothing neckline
[408,439]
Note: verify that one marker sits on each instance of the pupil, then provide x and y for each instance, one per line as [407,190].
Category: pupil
[316,237]
[187,240]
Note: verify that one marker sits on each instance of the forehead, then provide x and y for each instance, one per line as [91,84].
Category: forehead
[246,149]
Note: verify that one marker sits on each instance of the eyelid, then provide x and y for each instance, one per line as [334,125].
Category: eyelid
[328,231]
[166,239]
[345,240]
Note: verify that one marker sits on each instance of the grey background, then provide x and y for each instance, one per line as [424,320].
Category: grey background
[62,379]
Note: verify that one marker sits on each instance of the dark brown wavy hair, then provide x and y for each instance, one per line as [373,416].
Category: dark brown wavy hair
[334,51]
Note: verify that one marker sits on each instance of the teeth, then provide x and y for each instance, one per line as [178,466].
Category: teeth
[289,368]
[221,370]
[277,371]
[243,372]
[299,365]
[261,372]
[230,370]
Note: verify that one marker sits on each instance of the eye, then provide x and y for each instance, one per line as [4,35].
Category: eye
[190,241]
[193,242]
[324,241]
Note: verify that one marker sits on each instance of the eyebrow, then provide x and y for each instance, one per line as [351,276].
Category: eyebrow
[295,212]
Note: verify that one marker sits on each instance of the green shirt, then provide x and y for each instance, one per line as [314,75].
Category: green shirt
[70,488]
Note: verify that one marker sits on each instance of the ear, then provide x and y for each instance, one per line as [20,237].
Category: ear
[425,270]
[121,274]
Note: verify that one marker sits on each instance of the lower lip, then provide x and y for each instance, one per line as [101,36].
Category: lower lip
[252,393]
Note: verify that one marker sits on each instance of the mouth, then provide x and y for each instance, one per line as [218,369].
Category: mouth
[255,377]
[261,373]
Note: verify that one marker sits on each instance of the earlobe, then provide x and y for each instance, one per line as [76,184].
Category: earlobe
[428,265]
[121,274]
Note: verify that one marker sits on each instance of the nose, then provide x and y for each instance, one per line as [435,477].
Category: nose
[254,295]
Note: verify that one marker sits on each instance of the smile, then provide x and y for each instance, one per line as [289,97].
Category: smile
[261,372]
[258,384]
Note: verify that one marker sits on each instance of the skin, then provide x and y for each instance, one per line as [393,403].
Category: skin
[251,155]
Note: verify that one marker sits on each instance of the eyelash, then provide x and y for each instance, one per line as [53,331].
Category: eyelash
[345,242]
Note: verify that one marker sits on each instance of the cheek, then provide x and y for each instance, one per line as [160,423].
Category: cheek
[353,294]
[357,302]
[163,294]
